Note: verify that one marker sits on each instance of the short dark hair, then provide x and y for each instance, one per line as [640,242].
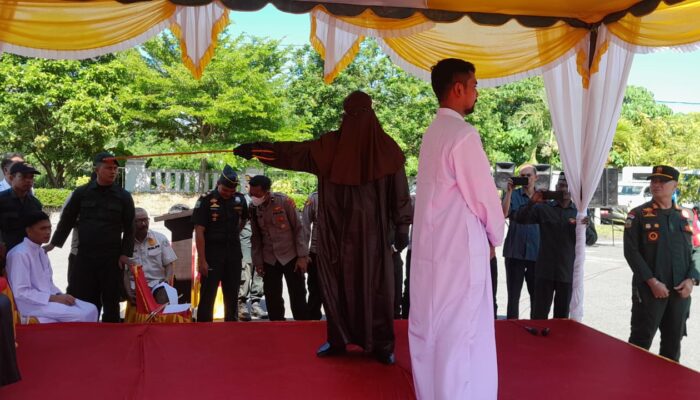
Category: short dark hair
[443,74]
[33,218]
[260,181]
[7,159]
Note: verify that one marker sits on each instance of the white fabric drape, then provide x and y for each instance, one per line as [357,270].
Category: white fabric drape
[338,41]
[585,120]
[337,44]
[197,28]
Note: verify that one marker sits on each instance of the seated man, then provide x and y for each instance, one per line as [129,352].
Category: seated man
[153,252]
[31,278]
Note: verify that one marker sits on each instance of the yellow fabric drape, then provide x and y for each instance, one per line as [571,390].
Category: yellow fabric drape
[368,19]
[675,25]
[497,51]
[197,67]
[586,10]
[77,25]
[359,24]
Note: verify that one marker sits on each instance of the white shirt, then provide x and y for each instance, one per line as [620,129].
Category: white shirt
[154,254]
[457,214]
[30,275]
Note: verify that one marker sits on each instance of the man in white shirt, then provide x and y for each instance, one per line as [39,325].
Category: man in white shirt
[7,161]
[458,221]
[31,279]
[153,252]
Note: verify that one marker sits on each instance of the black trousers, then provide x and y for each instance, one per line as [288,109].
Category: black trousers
[272,286]
[667,315]
[98,279]
[9,373]
[314,286]
[494,284]
[545,290]
[72,263]
[228,273]
[518,271]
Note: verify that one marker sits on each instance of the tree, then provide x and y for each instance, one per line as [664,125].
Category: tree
[60,112]
[236,100]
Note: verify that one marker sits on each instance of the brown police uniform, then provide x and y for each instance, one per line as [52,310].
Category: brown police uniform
[277,241]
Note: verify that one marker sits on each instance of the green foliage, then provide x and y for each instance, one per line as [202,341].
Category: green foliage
[60,112]
[237,99]
[649,134]
[82,180]
[296,185]
[689,189]
[52,198]
[145,101]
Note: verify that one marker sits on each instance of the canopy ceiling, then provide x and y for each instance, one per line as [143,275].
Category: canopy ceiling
[507,39]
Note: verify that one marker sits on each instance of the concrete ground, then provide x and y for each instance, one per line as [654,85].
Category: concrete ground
[607,288]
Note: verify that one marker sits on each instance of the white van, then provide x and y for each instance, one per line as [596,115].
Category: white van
[633,194]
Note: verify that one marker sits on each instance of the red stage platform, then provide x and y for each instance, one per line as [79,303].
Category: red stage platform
[275,360]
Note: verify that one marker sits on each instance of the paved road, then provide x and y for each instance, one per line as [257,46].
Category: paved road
[607,294]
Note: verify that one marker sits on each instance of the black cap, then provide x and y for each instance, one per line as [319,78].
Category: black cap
[104,156]
[228,177]
[664,172]
[23,168]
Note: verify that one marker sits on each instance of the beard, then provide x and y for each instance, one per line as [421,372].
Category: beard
[470,110]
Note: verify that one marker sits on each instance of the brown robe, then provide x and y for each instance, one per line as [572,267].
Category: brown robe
[355,225]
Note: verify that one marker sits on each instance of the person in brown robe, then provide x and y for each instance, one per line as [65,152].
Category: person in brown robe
[364,207]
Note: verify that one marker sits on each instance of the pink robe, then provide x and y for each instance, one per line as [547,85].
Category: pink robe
[458,213]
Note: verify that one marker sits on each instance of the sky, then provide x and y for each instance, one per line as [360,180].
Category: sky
[671,76]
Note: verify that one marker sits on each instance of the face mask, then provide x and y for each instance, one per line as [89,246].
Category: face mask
[257,200]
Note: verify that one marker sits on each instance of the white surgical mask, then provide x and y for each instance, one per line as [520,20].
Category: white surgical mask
[257,200]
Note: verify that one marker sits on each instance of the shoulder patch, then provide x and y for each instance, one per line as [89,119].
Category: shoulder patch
[628,223]
[198,203]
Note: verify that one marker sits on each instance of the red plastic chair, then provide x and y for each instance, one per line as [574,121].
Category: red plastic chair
[147,309]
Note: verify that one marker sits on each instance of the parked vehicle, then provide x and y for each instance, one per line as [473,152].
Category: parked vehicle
[632,194]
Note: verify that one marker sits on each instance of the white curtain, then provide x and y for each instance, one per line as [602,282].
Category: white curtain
[338,41]
[585,120]
[197,27]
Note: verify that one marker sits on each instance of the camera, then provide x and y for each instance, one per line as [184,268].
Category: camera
[520,180]
[553,195]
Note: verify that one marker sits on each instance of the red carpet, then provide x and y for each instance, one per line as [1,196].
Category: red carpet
[276,361]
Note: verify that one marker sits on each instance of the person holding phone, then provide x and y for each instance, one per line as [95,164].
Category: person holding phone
[554,269]
[522,242]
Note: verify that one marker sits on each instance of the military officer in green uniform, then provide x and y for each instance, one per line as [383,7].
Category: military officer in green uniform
[218,218]
[659,249]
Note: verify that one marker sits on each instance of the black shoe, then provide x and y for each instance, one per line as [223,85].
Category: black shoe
[328,350]
[385,358]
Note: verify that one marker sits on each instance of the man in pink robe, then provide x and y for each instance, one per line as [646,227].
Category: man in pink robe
[458,220]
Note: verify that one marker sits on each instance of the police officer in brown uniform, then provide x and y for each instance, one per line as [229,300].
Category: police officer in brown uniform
[279,248]
[658,245]
[218,218]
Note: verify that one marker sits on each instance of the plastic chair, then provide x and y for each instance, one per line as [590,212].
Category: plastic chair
[16,316]
[147,309]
